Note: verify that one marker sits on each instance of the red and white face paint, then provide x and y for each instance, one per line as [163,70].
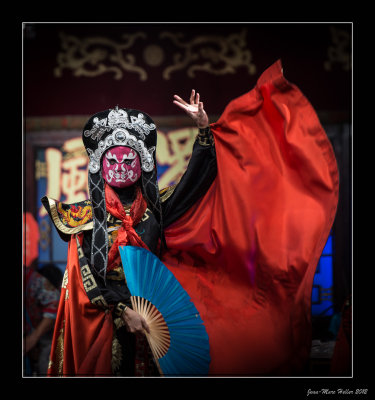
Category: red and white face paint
[121,166]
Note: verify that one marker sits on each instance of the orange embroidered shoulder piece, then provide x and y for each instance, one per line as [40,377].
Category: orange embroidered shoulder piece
[69,218]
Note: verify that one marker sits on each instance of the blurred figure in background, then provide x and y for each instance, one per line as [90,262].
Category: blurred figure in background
[42,294]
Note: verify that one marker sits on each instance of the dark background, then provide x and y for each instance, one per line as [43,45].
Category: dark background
[304,49]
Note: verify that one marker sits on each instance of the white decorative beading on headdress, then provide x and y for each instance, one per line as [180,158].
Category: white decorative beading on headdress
[118,118]
[104,130]
[118,121]
[121,137]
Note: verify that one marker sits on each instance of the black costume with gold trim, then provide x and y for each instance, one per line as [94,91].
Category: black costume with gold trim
[77,218]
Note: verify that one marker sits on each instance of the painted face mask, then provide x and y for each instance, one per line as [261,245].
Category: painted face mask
[121,166]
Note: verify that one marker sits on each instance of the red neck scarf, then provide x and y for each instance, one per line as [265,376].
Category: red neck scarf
[126,233]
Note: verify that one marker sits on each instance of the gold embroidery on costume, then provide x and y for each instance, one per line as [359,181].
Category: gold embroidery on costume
[119,322]
[76,215]
[65,279]
[205,137]
[91,288]
[99,301]
[111,219]
[115,224]
[116,274]
[59,224]
[112,235]
[167,192]
[116,346]
[60,351]
[116,354]
[119,309]
[145,215]
[79,249]
[87,278]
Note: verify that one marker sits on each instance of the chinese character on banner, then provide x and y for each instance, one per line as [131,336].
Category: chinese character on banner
[31,239]
[74,179]
[174,152]
[66,173]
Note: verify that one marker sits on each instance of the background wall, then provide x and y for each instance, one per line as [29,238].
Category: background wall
[71,71]
[77,69]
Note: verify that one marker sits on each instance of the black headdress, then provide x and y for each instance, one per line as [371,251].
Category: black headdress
[106,129]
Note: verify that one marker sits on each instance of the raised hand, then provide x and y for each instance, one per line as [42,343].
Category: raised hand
[195,109]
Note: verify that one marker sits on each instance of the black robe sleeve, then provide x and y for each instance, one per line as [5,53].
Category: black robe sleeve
[195,182]
[114,291]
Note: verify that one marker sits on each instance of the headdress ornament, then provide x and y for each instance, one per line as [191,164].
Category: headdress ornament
[117,122]
[110,128]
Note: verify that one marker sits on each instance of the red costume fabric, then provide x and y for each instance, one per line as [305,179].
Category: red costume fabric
[247,251]
[82,342]
[126,234]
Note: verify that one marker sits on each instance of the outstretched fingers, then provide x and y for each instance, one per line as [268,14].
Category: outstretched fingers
[194,97]
[197,99]
[180,100]
[193,109]
[180,104]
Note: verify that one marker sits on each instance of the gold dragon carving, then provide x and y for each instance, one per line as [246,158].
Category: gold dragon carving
[214,54]
[339,52]
[90,56]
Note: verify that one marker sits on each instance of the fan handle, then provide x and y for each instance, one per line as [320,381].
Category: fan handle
[159,337]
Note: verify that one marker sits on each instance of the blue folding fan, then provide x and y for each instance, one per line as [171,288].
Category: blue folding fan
[177,338]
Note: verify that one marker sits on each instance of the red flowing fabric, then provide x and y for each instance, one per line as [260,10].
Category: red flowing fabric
[126,233]
[247,251]
[82,340]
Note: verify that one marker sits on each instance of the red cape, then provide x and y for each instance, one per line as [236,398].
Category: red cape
[247,251]
[82,340]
